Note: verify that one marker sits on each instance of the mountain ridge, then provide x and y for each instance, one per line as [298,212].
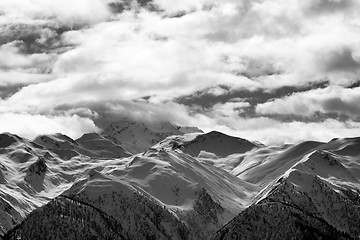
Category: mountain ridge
[184,186]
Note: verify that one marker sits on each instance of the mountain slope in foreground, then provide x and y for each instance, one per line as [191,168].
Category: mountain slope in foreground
[317,198]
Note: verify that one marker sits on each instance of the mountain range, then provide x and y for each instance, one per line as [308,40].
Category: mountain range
[156,180]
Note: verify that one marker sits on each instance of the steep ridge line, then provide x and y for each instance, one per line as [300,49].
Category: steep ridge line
[104,215]
[11,234]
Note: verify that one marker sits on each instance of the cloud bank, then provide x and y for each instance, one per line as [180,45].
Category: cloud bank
[261,62]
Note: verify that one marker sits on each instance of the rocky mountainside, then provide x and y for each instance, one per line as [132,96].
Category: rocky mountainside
[34,172]
[182,185]
[157,195]
[318,198]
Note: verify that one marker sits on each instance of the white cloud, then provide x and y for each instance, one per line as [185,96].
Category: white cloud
[30,126]
[333,99]
[21,78]
[294,132]
[186,5]
[11,58]
[273,132]
[264,44]
[66,11]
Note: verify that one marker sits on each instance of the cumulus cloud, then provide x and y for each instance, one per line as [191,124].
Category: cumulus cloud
[10,58]
[333,99]
[66,11]
[63,58]
[269,131]
[30,126]
[294,132]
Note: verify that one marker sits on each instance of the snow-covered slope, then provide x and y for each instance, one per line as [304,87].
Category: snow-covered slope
[218,143]
[95,145]
[305,206]
[317,198]
[200,195]
[140,215]
[59,144]
[32,173]
[27,179]
[90,144]
[187,186]
[211,145]
[344,146]
[167,182]
[137,137]
[159,194]
[173,177]
[264,164]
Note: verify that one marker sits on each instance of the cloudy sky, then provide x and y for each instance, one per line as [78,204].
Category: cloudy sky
[270,70]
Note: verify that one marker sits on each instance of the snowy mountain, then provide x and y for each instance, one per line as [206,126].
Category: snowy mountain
[317,198]
[185,195]
[185,130]
[137,137]
[99,146]
[305,206]
[90,144]
[34,172]
[26,179]
[213,144]
[189,192]
[180,186]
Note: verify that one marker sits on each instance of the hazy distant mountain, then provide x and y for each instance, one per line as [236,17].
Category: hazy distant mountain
[138,137]
[181,185]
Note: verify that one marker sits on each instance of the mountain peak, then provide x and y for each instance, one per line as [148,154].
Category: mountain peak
[56,141]
[7,139]
[187,186]
[326,165]
[138,136]
[218,143]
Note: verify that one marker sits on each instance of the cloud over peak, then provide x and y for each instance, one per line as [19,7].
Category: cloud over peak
[229,65]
